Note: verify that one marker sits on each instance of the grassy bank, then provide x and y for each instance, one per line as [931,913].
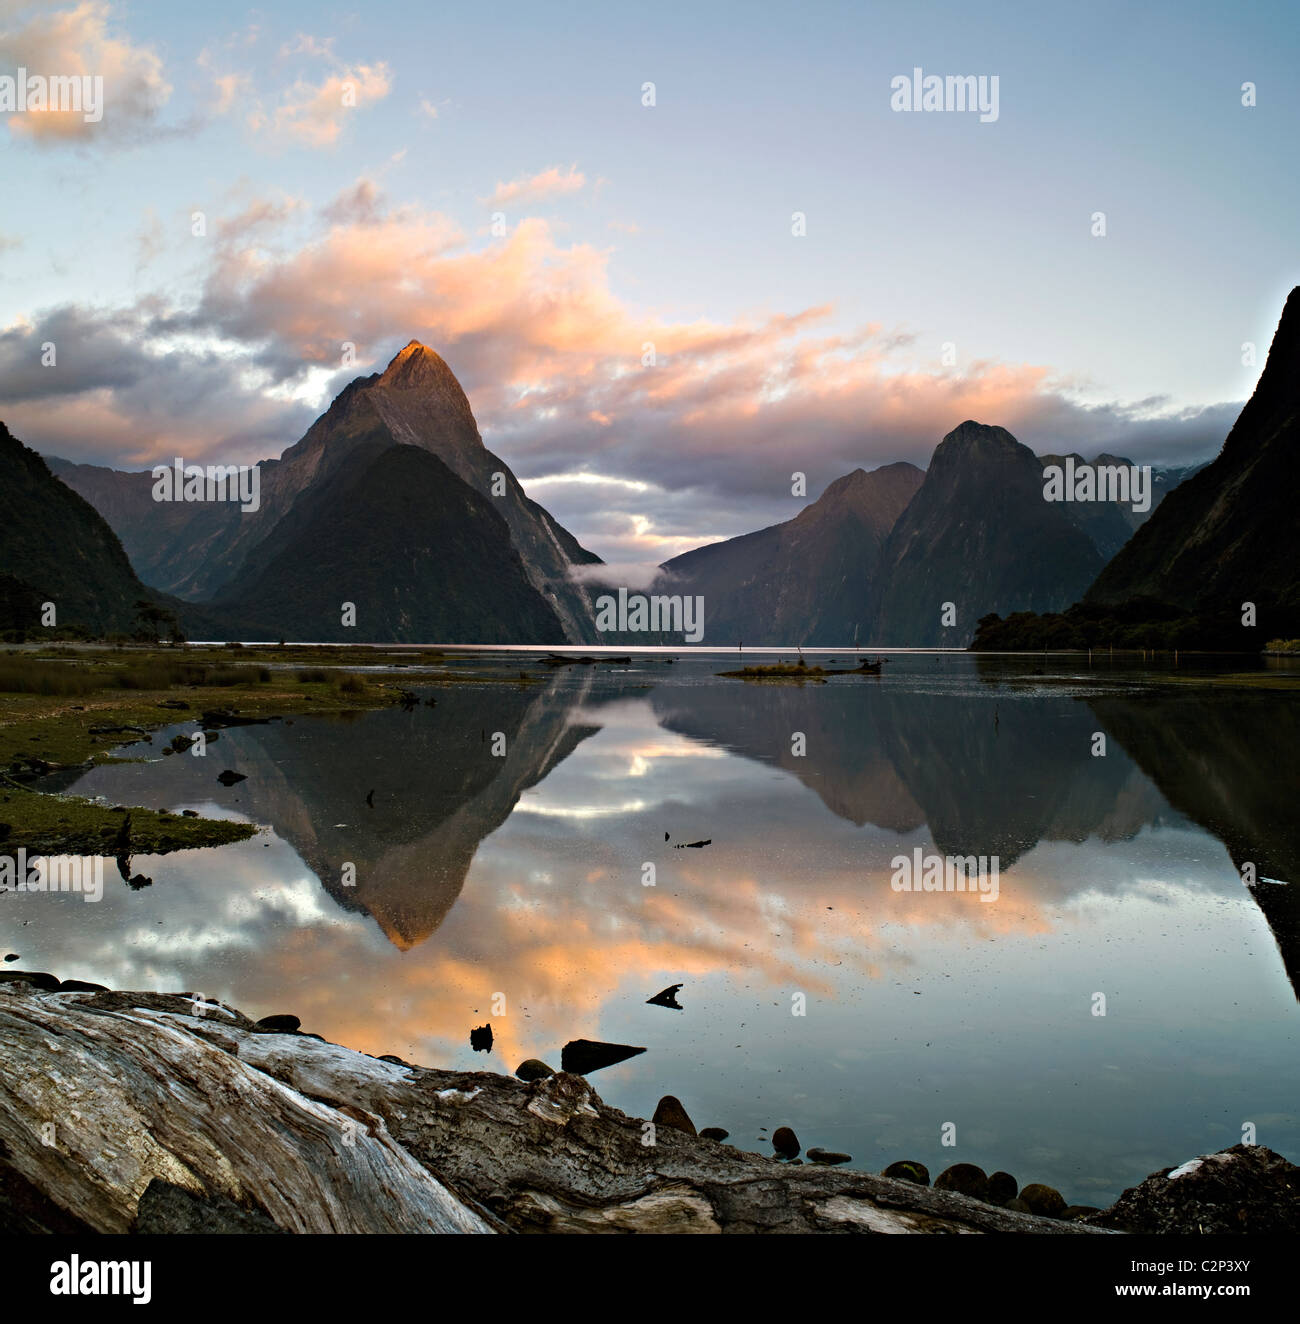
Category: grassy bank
[59,707]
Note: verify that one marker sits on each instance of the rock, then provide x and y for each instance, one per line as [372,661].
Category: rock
[284,1024]
[533,1068]
[1072,1211]
[715,1133]
[666,998]
[1018,1206]
[828,1156]
[189,813]
[669,1112]
[785,1142]
[13,956]
[1002,1187]
[393,1058]
[1045,1201]
[965,1179]
[908,1170]
[229,778]
[547,1157]
[36,978]
[480,1040]
[81,986]
[582,1056]
[1248,1188]
[172,703]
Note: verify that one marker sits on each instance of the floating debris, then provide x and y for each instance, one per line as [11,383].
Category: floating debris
[582,1056]
[666,998]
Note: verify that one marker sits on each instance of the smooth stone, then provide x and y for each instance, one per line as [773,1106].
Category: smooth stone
[1073,1211]
[1018,1205]
[965,1179]
[394,1059]
[533,1068]
[908,1170]
[1045,1201]
[715,1133]
[81,986]
[284,1023]
[785,1142]
[36,978]
[669,1112]
[1002,1187]
[828,1156]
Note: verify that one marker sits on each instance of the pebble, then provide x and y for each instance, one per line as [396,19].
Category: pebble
[908,1170]
[669,1112]
[1002,1187]
[965,1179]
[1045,1201]
[284,1023]
[785,1142]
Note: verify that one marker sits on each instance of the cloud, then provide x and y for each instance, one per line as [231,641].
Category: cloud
[362,204]
[120,394]
[77,42]
[549,184]
[312,114]
[647,435]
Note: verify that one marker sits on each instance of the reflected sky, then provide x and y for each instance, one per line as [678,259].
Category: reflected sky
[524,876]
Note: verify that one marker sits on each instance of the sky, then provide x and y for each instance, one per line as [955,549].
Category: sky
[660,312]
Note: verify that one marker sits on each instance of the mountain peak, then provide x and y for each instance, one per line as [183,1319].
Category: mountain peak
[416,365]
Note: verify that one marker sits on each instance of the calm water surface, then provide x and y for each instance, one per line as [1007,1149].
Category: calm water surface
[522,875]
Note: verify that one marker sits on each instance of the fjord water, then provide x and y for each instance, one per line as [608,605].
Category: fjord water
[520,877]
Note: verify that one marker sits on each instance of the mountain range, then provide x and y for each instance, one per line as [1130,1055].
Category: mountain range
[879,556]
[392,505]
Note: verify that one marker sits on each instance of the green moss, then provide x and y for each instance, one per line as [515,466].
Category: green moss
[69,825]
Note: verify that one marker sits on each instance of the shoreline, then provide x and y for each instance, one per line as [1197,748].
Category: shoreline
[136,1090]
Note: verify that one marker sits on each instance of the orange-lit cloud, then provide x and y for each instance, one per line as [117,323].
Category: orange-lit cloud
[76,42]
[536,188]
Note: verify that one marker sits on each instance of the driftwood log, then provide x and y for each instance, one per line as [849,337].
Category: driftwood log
[152,1112]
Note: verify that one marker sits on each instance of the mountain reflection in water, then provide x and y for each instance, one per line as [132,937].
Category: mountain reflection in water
[504,861]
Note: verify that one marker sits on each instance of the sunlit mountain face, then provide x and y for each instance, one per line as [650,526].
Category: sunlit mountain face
[521,856]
